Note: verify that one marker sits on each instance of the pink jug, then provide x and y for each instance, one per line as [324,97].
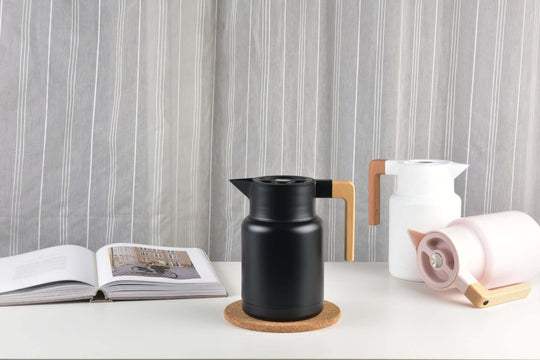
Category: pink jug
[473,254]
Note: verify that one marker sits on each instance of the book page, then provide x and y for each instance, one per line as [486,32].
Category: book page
[58,263]
[144,263]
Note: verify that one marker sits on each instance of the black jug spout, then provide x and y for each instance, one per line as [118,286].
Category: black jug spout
[244,185]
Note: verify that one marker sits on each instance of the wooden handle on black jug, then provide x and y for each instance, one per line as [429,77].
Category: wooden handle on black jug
[344,189]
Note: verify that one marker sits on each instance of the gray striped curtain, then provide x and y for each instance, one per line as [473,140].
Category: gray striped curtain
[121,121]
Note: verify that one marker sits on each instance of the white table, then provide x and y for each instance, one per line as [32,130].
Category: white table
[381,317]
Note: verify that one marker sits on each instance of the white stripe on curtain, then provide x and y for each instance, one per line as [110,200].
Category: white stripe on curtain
[136,120]
[471,107]
[43,151]
[21,127]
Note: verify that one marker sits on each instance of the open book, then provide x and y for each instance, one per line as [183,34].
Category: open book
[114,272]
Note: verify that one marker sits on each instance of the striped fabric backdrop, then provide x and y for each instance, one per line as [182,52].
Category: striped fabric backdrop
[121,121]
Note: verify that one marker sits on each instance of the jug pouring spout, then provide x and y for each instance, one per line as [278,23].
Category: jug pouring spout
[244,185]
[456,168]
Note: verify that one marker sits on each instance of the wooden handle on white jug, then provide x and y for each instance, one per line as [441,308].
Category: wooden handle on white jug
[376,169]
[344,189]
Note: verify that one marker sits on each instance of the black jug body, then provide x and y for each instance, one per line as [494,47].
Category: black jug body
[282,269]
[282,257]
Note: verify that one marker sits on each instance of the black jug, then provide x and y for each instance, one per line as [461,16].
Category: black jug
[282,256]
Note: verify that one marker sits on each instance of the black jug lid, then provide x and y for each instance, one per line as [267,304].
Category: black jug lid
[282,198]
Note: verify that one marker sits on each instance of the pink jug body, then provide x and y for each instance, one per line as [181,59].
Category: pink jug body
[511,244]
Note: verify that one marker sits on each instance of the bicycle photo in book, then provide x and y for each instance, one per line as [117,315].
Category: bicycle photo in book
[145,261]
[117,271]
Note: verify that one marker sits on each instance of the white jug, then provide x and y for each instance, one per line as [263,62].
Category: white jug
[423,199]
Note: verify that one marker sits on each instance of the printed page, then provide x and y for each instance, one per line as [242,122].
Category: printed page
[58,263]
[128,263]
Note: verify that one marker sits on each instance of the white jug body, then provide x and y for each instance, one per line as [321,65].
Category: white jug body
[423,200]
[422,214]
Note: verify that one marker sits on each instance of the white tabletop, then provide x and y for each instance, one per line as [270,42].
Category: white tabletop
[381,317]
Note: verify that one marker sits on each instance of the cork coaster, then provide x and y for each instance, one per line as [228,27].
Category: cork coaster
[236,316]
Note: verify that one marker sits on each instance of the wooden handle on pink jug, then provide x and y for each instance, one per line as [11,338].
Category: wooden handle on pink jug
[344,189]
[376,169]
[481,297]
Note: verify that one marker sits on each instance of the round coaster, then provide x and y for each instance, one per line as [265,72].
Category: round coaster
[328,316]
